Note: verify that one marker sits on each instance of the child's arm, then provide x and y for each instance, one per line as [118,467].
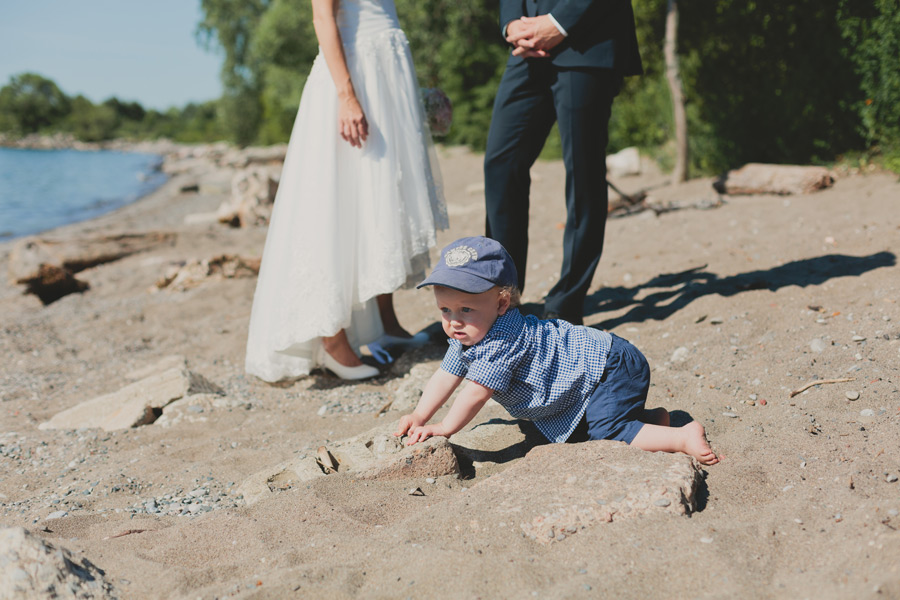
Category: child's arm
[438,389]
[465,407]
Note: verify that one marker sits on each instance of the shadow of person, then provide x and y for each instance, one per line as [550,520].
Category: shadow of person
[679,418]
[677,290]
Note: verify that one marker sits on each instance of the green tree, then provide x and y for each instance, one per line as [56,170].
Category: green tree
[31,103]
[284,45]
[457,46]
[127,111]
[89,122]
[230,25]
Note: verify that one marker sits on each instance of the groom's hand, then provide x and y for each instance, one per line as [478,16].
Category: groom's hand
[533,36]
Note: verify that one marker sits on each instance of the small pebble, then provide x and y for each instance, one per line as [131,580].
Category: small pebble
[730,415]
[891,478]
[858,338]
[762,402]
[430,480]
[852,395]
[663,502]
[706,540]
[867,412]
[680,355]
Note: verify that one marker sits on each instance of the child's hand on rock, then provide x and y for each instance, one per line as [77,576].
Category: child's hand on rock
[423,432]
[407,423]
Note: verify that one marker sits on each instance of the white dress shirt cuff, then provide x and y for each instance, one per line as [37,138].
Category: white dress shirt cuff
[558,26]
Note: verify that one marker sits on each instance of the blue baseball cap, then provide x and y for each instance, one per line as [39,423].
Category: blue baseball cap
[473,265]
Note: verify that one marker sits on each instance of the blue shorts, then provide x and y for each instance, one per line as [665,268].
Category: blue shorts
[614,409]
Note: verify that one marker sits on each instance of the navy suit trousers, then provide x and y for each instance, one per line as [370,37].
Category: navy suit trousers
[533,94]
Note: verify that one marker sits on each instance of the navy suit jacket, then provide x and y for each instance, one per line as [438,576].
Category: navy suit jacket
[601,32]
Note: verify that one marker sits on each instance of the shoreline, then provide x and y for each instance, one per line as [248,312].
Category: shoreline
[148,181]
[66,141]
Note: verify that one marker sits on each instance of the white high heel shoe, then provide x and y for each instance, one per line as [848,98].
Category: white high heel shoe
[344,372]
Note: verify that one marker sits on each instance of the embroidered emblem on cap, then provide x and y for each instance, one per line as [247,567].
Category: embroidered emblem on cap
[459,256]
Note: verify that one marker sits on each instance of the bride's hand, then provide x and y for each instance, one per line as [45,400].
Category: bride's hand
[352,122]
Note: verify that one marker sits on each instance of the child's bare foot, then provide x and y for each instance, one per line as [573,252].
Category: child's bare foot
[656,416]
[695,444]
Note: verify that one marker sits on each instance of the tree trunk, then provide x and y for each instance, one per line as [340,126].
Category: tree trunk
[673,76]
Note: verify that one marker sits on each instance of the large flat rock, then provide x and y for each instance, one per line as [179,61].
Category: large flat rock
[558,490]
[373,455]
[139,403]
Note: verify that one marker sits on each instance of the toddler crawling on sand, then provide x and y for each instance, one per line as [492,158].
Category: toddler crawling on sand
[556,374]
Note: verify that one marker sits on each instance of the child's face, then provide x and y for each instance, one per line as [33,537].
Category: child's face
[468,317]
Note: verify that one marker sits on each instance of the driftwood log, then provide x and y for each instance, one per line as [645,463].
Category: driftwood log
[47,266]
[758,178]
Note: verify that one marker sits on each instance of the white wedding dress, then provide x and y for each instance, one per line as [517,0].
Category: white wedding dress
[348,223]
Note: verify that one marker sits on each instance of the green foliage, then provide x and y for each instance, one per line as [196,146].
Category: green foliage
[284,45]
[30,103]
[458,47]
[768,81]
[91,123]
[281,97]
[872,32]
[230,25]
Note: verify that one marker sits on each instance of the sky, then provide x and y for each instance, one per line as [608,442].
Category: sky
[135,50]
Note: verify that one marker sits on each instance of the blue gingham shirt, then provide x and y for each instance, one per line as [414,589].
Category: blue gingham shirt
[544,371]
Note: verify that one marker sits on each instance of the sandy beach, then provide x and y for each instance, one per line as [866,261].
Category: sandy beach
[736,301]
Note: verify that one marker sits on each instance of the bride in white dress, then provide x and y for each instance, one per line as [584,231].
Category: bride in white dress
[358,203]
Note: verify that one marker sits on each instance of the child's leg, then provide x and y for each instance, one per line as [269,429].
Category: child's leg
[615,410]
[690,439]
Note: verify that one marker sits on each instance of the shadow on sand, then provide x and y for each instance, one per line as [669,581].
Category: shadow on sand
[677,290]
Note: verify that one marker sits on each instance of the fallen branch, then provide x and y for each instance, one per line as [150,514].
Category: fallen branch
[629,199]
[820,382]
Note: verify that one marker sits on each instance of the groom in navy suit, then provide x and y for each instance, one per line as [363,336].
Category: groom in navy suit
[567,64]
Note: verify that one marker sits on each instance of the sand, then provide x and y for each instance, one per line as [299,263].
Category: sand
[735,306]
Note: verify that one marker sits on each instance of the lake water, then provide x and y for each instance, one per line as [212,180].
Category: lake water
[43,189]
